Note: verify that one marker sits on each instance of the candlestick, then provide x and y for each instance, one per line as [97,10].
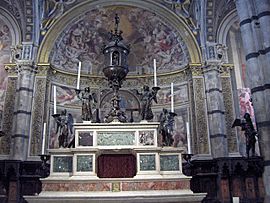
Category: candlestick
[172,98]
[43,139]
[54,99]
[188,138]
[79,75]
[155,73]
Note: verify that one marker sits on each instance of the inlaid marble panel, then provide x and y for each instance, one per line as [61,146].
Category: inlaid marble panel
[147,162]
[85,163]
[146,138]
[115,138]
[62,164]
[85,139]
[169,162]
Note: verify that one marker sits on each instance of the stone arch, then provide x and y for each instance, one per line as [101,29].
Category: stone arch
[160,10]
[12,25]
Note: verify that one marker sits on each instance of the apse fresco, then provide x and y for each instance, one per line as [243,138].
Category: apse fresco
[5,43]
[148,36]
[164,95]
[65,96]
[180,131]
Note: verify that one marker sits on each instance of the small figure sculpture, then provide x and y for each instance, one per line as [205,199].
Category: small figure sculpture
[64,127]
[87,99]
[147,96]
[250,132]
[166,120]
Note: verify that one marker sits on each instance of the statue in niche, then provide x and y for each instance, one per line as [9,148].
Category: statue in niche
[147,98]
[88,101]
[250,133]
[64,128]
[166,120]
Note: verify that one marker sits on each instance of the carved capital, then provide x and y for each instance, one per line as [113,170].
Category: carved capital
[26,66]
[196,70]
[226,70]
[11,69]
[211,67]
[42,70]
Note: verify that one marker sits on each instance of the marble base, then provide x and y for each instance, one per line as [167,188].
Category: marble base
[168,196]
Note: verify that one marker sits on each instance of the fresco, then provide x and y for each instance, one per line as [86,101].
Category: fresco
[5,43]
[180,131]
[148,36]
[180,95]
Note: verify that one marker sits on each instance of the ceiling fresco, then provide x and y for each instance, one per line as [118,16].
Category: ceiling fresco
[148,36]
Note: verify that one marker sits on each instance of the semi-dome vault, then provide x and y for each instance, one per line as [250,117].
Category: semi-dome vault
[81,37]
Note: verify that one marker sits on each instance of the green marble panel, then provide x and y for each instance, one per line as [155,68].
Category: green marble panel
[147,162]
[62,164]
[85,163]
[115,138]
[169,162]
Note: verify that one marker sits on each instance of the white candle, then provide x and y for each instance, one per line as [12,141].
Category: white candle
[43,139]
[172,98]
[79,75]
[155,73]
[188,138]
[54,99]
[236,200]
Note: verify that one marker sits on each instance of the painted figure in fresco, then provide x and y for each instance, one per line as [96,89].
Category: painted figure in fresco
[88,100]
[64,128]
[166,120]
[250,132]
[147,98]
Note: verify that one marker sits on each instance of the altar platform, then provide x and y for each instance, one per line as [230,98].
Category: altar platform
[116,162]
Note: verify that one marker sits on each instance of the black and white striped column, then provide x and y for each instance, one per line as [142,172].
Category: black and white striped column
[22,111]
[215,111]
[255,28]
[263,14]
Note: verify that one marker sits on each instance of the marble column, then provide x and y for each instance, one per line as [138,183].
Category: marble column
[263,14]
[23,109]
[257,52]
[215,110]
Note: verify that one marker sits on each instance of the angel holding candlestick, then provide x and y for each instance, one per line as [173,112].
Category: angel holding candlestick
[147,98]
[88,100]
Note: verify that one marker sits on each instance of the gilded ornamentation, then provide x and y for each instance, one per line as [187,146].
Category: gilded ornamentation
[229,114]
[8,115]
[201,119]
[37,116]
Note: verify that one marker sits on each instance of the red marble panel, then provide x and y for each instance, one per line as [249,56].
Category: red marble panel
[261,187]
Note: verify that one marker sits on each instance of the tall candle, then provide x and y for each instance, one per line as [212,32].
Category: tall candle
[188,138]
[43,139]
[54,99]
[172,98]
[79,75]
[155,73]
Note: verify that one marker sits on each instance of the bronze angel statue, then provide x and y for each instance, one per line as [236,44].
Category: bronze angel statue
[88,101]
[64,128]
